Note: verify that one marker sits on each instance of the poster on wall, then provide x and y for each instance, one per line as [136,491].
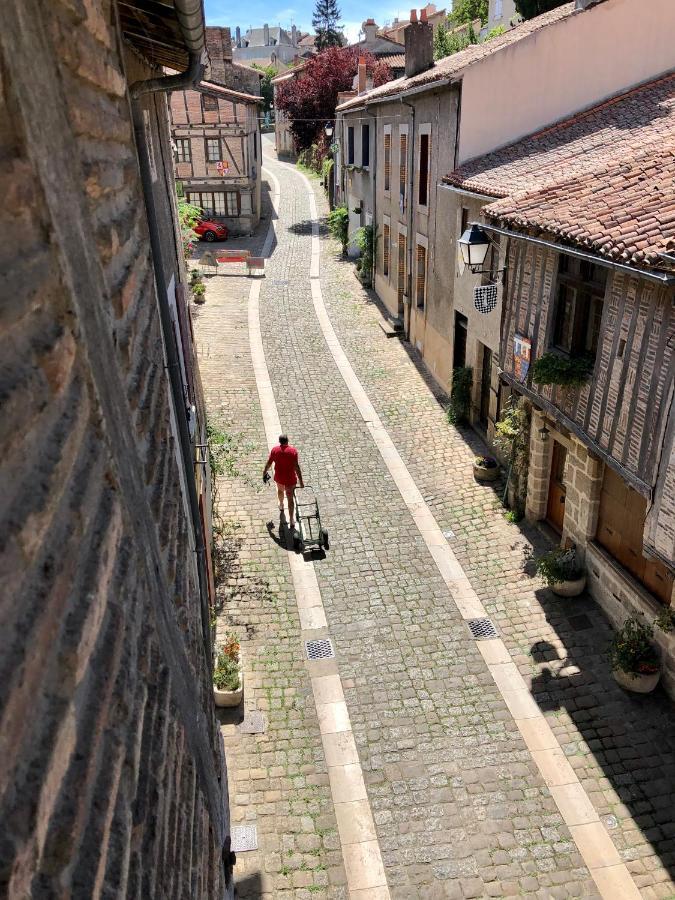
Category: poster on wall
[522,351]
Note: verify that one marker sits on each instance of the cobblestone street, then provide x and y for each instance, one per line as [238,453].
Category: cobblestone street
[474,789]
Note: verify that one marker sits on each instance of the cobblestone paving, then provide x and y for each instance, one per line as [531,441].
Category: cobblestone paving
[277,780]
[460,808]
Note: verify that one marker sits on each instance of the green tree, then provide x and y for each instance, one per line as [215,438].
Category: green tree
[465,11]
[326,20]
[528,9]
[266,88]
[447,42]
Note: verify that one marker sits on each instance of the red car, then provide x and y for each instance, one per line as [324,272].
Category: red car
[211,231]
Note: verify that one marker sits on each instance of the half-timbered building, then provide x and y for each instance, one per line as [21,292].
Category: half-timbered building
[585,220]
[218,155]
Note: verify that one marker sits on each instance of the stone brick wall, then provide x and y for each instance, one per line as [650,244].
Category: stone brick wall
[223,70]
[110,755]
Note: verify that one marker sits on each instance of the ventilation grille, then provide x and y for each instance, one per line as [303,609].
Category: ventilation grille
[320,649]
[482,629]
[244,837]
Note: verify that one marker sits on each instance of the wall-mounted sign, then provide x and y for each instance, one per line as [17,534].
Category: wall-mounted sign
[222,167]
[522,352]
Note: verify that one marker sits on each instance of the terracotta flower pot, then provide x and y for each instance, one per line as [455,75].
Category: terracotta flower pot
[637,682]
[481,473]
[570,588]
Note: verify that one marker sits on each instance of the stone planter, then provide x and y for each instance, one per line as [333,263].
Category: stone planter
[636,681]
[571,588]
[480,473]
[230,698]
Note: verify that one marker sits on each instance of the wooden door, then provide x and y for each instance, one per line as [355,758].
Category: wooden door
[555,513]
[401,272]
[485,376]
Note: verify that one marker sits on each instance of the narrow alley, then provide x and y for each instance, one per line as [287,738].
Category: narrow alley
[420,762]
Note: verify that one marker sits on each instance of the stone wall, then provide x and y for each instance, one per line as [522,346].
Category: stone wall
[223,70]
[111,763]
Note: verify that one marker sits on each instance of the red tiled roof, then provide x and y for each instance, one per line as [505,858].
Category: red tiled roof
[220,89]
[625,212]
[603,179]
[393,60]
[457,62]
[624,124]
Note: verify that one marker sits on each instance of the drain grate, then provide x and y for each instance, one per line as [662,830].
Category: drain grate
[449,534]
[244,837]
[320,649]
[482,629]
[254,723]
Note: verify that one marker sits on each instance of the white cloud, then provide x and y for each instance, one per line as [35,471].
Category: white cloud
[351,30]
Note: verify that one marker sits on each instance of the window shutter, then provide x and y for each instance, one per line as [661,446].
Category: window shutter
[403,167]
[385,250]
[421,274]
[401,267]
[387,162]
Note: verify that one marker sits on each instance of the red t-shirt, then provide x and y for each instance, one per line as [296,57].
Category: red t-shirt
[285,460]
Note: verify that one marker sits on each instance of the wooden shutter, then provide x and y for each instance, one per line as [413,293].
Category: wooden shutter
[387,162]
[403,166]
[401,267]
[385,250]
[425,156]
[421,274]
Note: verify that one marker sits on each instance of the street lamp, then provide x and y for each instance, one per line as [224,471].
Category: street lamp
[329,130]
[473,246]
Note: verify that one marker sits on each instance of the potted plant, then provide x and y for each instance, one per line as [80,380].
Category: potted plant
[199,292]
[561,571]
[485,468]
[228,678]
[634,660]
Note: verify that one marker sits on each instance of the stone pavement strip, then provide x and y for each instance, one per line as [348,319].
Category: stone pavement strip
[467,800]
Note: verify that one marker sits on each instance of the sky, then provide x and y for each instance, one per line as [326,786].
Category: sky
[299,12]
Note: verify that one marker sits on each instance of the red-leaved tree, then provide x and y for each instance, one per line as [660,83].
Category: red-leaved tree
[309,99]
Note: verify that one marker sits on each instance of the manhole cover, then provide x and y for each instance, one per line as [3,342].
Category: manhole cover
[580,623]
[482,629]
[321,649]
[254,723]
[244,837]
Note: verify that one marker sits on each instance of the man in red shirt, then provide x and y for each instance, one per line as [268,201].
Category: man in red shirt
[286,473]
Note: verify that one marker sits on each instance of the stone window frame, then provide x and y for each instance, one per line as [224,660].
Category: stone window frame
[403,163]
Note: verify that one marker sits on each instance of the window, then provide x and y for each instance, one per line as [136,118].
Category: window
[425,155]
[578,312]
[209,104]
[212,149]
[183,153]
[421,283]
[219,204]
[386,248]
[402,167]
[498,9]
[387,160]
[365,145]
[465,220]
[350,145]
[621,520]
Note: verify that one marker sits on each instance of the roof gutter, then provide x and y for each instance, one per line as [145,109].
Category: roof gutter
[660,277]
[411,92]
[464,193]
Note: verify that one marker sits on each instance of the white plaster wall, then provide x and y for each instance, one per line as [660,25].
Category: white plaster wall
[564,68]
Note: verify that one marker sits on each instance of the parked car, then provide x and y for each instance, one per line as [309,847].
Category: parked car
[211,231]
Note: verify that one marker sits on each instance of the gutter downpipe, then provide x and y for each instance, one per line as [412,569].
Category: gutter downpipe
[187,79]
[411,176]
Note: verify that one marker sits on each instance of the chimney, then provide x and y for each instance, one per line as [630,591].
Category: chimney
[237,33]
[219,48]
[413,15]
[423,15]
[361,83]
[266,34]
[419,47]
[294,36]
[369,29]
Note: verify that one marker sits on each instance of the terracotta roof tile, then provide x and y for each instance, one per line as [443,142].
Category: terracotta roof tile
[603,179]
